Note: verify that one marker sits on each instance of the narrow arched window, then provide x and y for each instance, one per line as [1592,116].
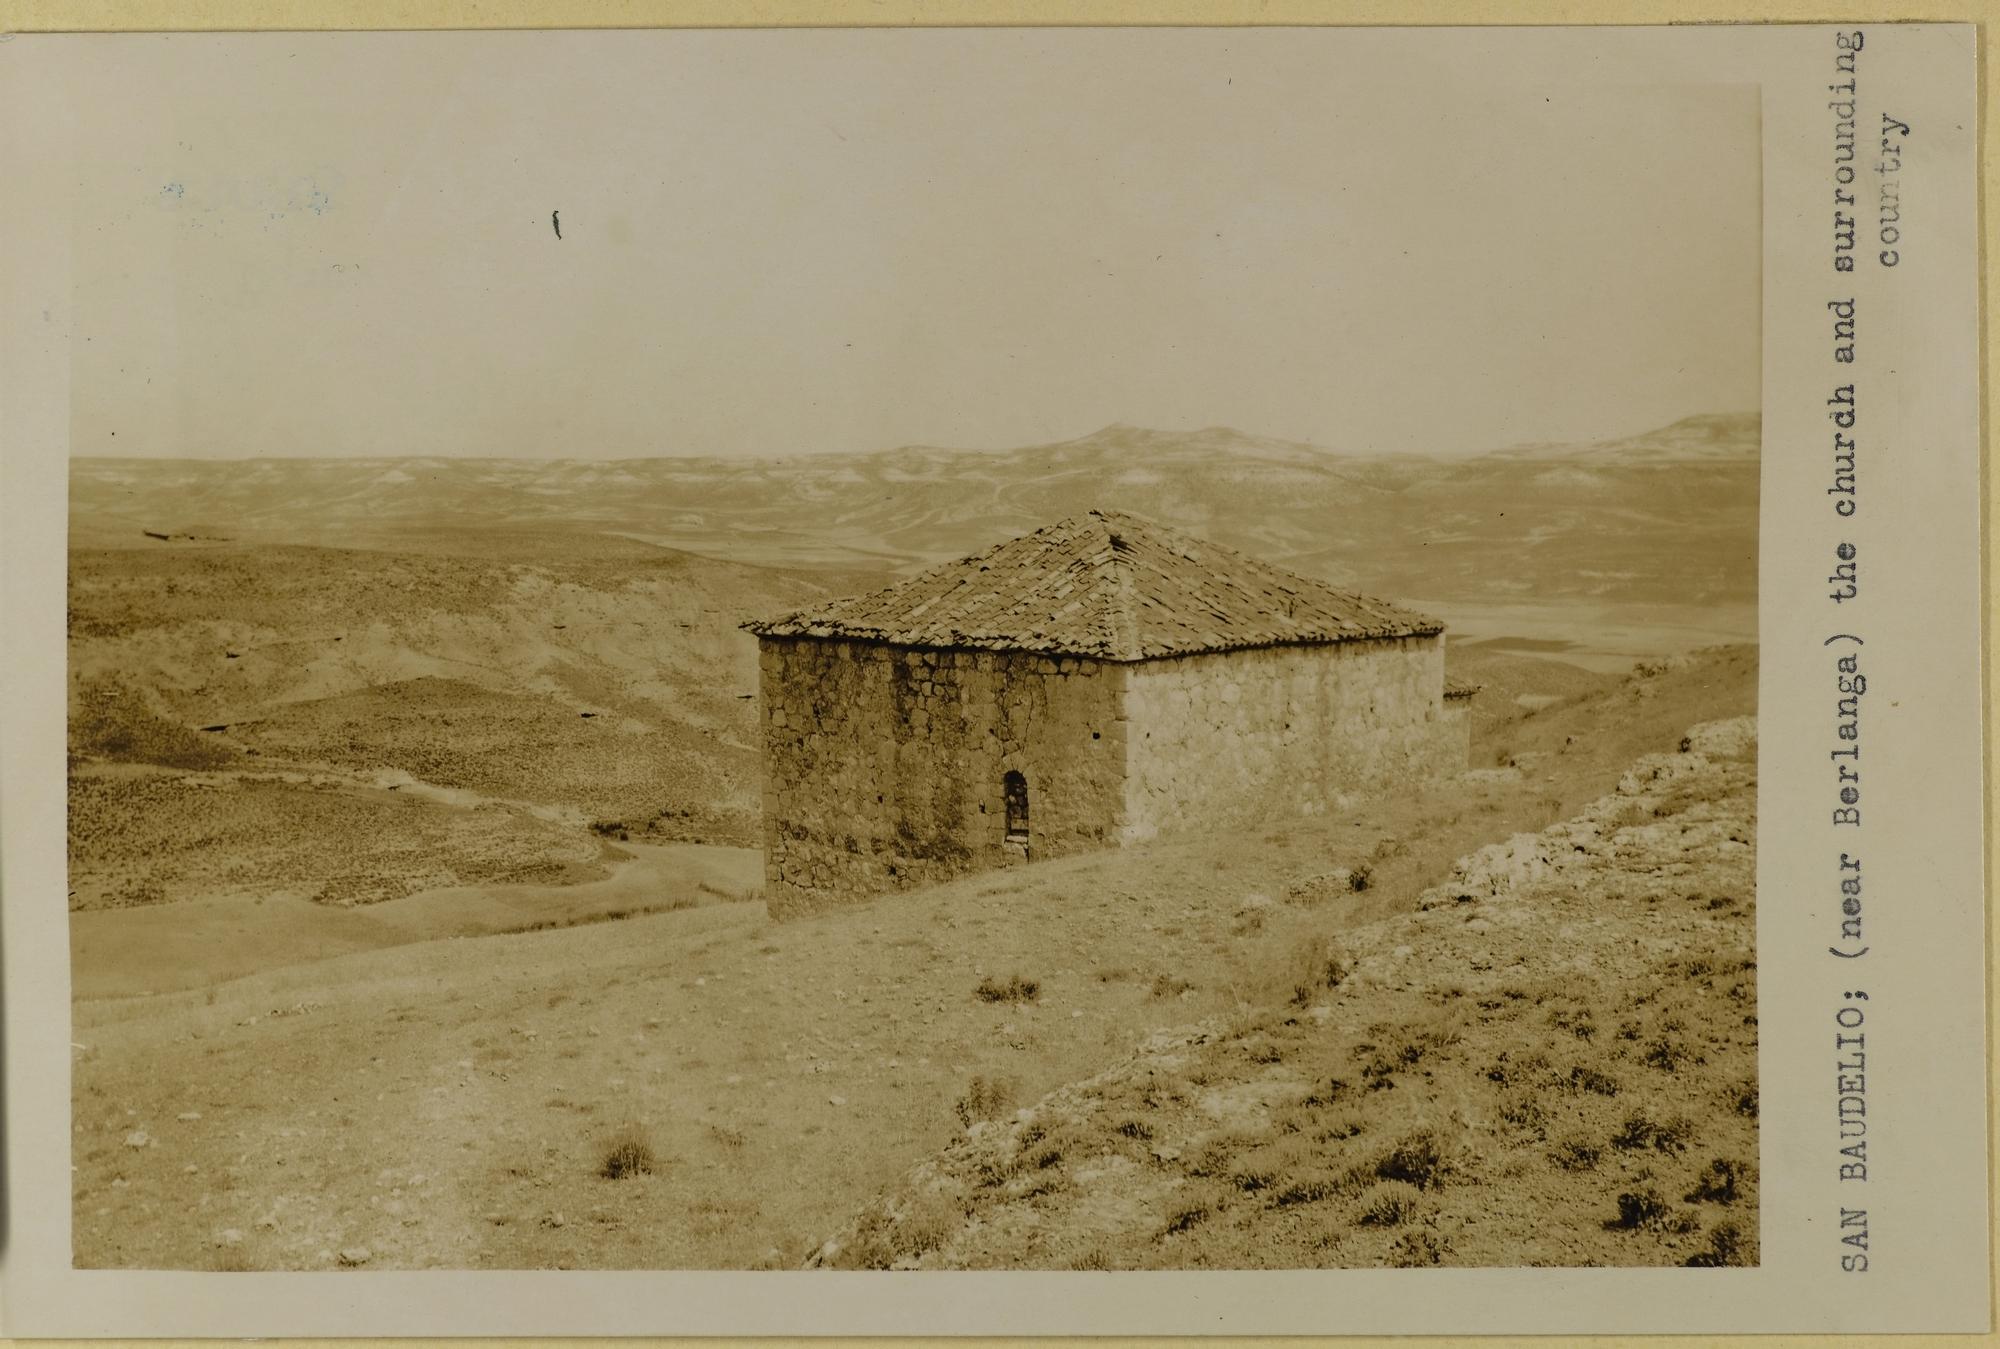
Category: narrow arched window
[1014,791]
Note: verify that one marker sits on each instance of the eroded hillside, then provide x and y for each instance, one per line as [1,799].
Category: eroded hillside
[349,725]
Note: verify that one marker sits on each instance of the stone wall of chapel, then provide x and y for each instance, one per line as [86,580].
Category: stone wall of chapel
[884,765]
[1228,738]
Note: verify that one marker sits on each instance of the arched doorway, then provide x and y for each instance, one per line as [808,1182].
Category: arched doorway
[1014,793]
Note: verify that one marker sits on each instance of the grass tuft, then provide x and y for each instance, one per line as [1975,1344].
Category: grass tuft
[627,1153]
[1012,989]
[985,1098]
[1390,1204]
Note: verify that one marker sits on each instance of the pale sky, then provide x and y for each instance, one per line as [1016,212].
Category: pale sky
[777,243]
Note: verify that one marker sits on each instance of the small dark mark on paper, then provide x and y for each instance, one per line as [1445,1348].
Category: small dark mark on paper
[555,218]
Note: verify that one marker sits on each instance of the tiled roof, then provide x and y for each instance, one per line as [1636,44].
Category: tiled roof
[1108,585]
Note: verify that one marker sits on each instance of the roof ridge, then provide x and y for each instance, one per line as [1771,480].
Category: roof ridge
[1125,611]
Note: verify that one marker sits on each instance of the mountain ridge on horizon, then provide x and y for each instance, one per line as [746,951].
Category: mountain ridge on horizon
[1668,517]
[1723,434]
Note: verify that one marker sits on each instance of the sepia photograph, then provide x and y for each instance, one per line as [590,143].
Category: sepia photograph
[988,650]
[919,675]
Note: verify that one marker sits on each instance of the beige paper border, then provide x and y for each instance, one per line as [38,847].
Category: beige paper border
[55,15]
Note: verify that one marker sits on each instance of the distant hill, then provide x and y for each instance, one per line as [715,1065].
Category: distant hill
[1711,438]
[1664,518]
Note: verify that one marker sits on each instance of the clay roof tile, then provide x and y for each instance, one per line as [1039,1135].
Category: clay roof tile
[1108,585]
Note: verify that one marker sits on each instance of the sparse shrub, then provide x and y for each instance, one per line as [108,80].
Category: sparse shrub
[1317,966]
[1509,1071]
[1252,1177]
[1419,1249]
[1305,1190]
[1640,1208]
[1585,1078]
[924,1226]
[1329,1090]
[1389,847]
[627,1153]
[1745,1100]
[872,1246]
[1217,1157]
[1135,1128]
[1406,1056]
[1668,1053]
[1167,986]
[1575,1153]
[1263,1051]
[1339,1129]
[984,1098]
[1212,1160]
[1726,1246]
[1524,1111]
[1359,878]
[1390,1204]
[1673,1134]
[1417,1159]
[1185,1216]
[1636,1132]
[1013,989]
[1717,1183]
[1641,1130]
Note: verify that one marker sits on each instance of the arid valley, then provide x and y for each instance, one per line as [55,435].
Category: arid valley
[415,882]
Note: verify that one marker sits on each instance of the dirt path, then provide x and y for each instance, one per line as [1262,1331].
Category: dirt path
[201,942]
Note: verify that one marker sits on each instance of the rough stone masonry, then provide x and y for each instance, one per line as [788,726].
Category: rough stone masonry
[1089,685]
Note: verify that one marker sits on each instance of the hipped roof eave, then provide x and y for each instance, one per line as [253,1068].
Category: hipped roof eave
[778,631]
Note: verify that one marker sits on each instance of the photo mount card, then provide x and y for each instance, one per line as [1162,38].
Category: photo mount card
[997,680]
